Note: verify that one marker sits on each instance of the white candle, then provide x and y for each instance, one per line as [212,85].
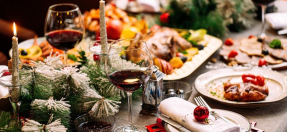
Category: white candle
[15,58]
[103,31]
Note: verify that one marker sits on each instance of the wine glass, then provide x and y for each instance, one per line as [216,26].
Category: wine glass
[263,4]
[64,27]
[128,66]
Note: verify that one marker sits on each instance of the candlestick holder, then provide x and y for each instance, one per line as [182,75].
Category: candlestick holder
[25,77]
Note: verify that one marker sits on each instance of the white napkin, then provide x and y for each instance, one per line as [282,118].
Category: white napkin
[4,92]
[181,111]
[277,20]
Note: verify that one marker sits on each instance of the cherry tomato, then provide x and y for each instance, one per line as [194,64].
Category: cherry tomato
[251,36]
[229,42]
[262,62]
[249,79]
[232,54]
[179,54]
[261,80]
[248,75]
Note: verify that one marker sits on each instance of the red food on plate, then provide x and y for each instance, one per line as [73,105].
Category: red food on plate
[229,42]
[179,54]
[251,36]
[260,80]
[232,54]
[249,79]
[262,62]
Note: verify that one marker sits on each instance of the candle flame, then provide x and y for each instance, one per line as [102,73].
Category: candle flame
[14,29]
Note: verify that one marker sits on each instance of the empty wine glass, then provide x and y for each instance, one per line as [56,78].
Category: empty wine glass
[64,27]
[128,66]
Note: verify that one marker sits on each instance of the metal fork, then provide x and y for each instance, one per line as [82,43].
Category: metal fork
[200,101]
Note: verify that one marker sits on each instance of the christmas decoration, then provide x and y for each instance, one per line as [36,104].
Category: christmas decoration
[195,14]
[60,109]
[237,14]
[216,16]
[201,113]
[6,122]
[164,17]
[34,126]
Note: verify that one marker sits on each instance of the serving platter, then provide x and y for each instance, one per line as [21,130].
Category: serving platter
[276,82]
[238,119]
[190,66]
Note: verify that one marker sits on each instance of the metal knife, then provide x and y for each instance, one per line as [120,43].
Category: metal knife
[173,123]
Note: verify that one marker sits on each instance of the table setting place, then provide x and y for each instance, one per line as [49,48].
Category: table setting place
[148,66]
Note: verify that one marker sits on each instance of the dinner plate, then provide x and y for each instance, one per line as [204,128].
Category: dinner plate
[238,119]
[275,81]
[28,43]
[190,66]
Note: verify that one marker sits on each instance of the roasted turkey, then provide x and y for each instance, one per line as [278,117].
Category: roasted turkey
[245,92]
[162,43]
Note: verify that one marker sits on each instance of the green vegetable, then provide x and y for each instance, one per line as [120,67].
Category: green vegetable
[276,43]
[72,57]
[194,43]
[183,51]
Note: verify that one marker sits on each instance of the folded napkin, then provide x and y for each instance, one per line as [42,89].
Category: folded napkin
[277,20]
[4,92]
[181,111]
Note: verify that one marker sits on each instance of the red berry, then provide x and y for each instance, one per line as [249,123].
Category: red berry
[164,17]
[262,62]
[96,58]
[179,54]
[232,54]
[229,42]
[200,113]
[251,36]
[261,80]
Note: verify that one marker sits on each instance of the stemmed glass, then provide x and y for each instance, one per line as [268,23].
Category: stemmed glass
[263,4]
[64,27]
[26,76]
[128,66]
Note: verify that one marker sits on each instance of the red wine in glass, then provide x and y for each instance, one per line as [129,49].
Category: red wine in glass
[263,2]
[64,39]
[129,80]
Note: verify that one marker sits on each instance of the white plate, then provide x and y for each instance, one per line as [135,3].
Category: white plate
[190,66]
[275,81]
[27,44]
[234,117]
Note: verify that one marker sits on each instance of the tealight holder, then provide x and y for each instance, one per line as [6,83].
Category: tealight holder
[152,93]
[85,123]
[176,89]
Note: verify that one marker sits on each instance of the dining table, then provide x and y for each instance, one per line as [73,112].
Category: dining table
[270,118]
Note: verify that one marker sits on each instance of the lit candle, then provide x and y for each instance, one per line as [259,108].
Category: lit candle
[15,58]
[103,31]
